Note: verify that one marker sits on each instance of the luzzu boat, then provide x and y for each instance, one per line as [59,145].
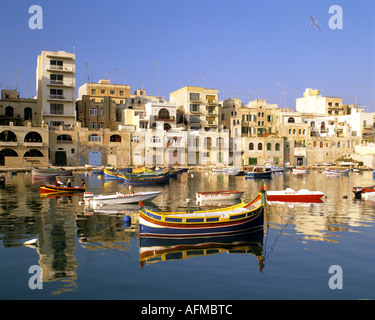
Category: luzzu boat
[46,188]
[143,179]
[241,217]
[47,172]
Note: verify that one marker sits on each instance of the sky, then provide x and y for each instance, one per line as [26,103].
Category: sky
[245,48]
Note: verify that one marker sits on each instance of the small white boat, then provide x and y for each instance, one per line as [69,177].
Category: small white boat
[275,168]
[368,195]
[301,170]
[290,195]
[335,172]
[118,198]
[219,195]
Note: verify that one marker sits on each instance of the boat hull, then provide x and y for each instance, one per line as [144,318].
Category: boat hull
[218,195]
[46,189]
[289,195]
[258,175]
[49,172]
[116,199]
[143,180]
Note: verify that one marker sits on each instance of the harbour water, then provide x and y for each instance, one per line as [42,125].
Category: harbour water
[95,255]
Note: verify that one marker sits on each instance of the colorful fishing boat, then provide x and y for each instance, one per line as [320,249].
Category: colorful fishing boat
[119,198]
[241,217]
[290,195]
[218,195]
[47,188]
[143,179]
[110,174]
[259,172]
[50,172]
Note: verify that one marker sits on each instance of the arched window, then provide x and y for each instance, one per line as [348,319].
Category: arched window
[163,114]
[260,146]
[9,112]
[277,147]
[94,137]
[269,147]
[8,136]
[322,125]
[312,124]
[251,146]
[64,138]
[321,144]
[167,126]
[220,142]
[115,138]
[33,153]
[28,113]
[9,152]
[207,142]
[291,120]
[338,144]
[33,137]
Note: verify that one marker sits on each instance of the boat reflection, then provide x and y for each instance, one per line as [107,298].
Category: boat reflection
[153,250]
[217,203]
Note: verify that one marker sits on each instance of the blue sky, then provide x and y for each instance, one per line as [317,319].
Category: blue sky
[246,49]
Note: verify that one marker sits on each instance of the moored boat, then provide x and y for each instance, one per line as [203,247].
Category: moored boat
[301,170]
[336,172]
[259,172]
[228,220]
[368,195]
[47,188]
[290,195]
[143,179]
[359,191]
[50,172]
[218,195]
[119,198]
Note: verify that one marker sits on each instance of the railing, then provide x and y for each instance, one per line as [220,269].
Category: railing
[60,68]
[164,118]
[60,83]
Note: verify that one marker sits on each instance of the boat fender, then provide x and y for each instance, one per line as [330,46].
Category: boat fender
[127,221]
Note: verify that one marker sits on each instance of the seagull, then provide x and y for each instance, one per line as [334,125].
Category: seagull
[314,23]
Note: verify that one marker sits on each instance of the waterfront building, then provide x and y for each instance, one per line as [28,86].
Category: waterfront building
[197,107]
[56,88]
[19,111]
[104,88]
[97,115]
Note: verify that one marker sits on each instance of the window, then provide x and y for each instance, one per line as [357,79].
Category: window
[245,117]
[9,153]
[194,96]
[121,93]
[251,146]
[115,138]
[102,91]
[93,111]
[9,112]
[33,153]
[137,139]
[53,124]
[93,91]
[269,147]
[93,125]
[28,113]
[101,111]
[163,114]
[291,120]
[56,93]
[56,79]
[277,147]
[155,139]
[194,108]
[260,146]
[8,136]
[94,138]
[57,108]
[220,142]
[111,91]
[101,125]
[33,137]
[64,138]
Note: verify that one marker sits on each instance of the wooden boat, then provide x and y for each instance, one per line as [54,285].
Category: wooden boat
[218,195]
[275,168]
[336,172]
[290,195]
[110,174]
[301,170]
[228,220]
[120,198]
[143,179]
[368,195]
[259,172]
[49,172]
[359,191]
[47,188]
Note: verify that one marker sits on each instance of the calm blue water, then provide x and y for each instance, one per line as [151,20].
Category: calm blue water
[86,255]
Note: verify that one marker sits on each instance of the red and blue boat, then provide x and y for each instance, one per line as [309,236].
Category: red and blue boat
[237,218]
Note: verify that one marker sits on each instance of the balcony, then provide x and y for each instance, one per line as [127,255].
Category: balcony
[59,68]
[60,83]
[8,143]
[164,118]
[211,101]
[59,97]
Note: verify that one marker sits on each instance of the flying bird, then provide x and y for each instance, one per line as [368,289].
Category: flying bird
[314,23]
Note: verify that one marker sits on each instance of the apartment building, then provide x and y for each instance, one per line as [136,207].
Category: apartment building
[198,106]
[56,88]
[104,88]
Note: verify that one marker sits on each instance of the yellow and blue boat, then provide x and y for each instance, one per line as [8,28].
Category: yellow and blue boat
[237,218]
